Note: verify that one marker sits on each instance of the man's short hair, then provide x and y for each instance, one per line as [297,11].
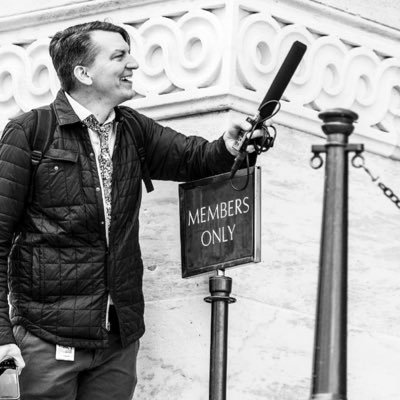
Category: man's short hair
[73,46]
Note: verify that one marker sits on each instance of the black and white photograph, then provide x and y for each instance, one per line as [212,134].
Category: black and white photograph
[199,200]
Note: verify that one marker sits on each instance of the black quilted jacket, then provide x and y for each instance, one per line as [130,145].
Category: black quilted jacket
[60,270]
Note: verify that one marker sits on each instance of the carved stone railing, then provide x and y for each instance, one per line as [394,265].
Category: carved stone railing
[203,56]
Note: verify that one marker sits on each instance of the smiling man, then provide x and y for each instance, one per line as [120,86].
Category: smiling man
[69,245]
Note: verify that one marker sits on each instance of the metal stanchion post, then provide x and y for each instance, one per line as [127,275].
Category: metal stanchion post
[330,346]
[220,289]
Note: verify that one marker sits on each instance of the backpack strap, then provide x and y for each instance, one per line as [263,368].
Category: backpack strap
[45,124]
[138,140]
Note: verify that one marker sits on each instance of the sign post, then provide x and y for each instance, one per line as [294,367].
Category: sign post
[220,289]
[220,228]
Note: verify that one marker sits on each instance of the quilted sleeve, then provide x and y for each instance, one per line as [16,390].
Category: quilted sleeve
[15,172]
[171,155]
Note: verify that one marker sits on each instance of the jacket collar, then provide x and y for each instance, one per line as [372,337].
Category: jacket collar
[66,115]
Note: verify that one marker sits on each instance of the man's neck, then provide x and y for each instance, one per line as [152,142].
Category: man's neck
[96,106]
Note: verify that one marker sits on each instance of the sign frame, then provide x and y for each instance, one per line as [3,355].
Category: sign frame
[239,180]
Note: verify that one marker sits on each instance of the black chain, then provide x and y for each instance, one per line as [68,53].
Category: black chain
[359,162]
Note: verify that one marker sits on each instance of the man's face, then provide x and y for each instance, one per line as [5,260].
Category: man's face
[111,72]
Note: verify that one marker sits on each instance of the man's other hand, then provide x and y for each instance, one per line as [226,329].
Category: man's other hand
[12,351]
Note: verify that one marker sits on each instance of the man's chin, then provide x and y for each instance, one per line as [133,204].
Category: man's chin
[128,95]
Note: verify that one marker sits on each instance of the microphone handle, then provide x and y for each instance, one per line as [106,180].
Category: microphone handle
[237,163]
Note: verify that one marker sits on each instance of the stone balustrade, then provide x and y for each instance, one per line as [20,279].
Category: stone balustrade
[212,55]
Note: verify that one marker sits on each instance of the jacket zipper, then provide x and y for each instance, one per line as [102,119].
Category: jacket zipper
[108,324]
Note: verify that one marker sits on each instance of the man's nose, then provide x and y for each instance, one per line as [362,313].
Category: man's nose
[132,62]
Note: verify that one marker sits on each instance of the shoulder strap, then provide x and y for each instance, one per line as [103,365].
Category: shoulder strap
[138,140]
[43,133]
[45,124]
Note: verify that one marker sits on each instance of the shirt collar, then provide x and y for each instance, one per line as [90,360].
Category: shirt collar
[82,112]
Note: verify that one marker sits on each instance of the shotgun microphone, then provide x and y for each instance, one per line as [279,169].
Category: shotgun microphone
[270,101]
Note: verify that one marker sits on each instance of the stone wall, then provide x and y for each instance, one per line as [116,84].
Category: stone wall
[204,63]
[272,324]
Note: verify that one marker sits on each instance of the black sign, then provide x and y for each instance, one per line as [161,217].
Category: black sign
[220,225]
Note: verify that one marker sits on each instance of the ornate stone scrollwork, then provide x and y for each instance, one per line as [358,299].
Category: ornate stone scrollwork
[175,55]
[27,77]
[186,55]
[332,73]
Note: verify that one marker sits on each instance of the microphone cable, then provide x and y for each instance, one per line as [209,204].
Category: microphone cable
[261,145]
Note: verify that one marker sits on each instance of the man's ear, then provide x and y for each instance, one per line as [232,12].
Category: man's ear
[82,75]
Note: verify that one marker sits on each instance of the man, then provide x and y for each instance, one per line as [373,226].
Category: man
[69,232]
